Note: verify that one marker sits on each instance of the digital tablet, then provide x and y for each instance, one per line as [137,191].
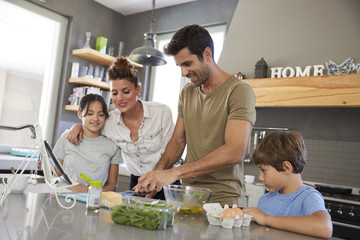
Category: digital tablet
[56,163]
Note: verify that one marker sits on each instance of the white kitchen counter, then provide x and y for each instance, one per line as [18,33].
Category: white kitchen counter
[38,216]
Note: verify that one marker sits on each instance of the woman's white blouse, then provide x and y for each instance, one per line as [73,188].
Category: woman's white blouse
[154,133]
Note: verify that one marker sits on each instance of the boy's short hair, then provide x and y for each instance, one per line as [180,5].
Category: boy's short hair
[279,146]
[194,37]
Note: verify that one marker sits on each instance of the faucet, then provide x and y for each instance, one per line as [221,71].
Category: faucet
[32,129]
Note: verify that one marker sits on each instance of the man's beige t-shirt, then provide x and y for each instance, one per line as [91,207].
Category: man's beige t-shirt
[205,117]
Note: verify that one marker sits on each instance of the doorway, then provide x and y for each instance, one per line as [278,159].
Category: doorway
[32,46]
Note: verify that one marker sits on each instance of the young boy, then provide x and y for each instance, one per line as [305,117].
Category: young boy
[289,205]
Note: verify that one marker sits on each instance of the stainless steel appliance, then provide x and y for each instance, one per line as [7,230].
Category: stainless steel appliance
[344,208]
[257,134]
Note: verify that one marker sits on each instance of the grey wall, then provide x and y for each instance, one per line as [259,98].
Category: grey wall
[291,33]
[301,33]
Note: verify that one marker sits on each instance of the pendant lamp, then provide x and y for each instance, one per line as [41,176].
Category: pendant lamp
[148,54]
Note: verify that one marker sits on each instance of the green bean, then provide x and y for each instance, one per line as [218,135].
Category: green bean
[143,215]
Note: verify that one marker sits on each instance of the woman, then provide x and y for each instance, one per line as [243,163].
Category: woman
[141,129]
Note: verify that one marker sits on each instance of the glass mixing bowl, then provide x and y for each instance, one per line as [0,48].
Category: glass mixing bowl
[190,198]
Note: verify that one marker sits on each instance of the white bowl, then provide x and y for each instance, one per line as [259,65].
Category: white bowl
[18,183]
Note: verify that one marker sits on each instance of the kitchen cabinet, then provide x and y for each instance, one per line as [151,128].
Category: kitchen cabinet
[97,57]
[312,91]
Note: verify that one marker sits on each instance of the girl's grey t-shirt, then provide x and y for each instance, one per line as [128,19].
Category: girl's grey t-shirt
[91,157]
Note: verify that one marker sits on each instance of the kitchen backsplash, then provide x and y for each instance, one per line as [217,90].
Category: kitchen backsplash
[330,162]
[334,162]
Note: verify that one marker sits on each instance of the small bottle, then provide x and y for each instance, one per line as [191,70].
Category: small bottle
[94,195]
[87,43]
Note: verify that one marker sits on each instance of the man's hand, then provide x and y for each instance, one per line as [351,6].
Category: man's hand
[151,195]
[75,133]
[153,181]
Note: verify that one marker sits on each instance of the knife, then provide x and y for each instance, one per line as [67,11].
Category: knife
[130,193]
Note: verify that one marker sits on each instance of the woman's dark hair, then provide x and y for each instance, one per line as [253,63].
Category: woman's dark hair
[194,37]
[89,98]
[122,68]
[277,147]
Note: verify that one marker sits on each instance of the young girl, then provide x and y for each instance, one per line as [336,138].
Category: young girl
[97,157]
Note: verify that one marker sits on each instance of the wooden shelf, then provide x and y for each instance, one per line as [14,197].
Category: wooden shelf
[90,82]
[71,108]
[98,57]
[313,91]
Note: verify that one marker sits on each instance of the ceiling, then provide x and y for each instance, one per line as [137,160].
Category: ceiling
[128,7]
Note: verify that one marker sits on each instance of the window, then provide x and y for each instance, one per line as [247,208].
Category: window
[31,45]
[167,80]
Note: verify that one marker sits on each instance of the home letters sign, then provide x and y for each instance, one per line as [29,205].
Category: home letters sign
[279,72]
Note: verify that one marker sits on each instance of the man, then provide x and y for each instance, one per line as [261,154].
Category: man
[216,113]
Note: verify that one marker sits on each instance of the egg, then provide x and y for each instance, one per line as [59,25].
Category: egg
[238,212]
[228,213]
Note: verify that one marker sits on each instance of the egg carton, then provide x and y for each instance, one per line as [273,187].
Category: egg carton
[213,213]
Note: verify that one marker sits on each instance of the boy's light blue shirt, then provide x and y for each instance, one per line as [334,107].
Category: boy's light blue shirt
[305,201]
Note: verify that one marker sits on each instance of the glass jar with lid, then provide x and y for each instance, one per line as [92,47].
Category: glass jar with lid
[94,195]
